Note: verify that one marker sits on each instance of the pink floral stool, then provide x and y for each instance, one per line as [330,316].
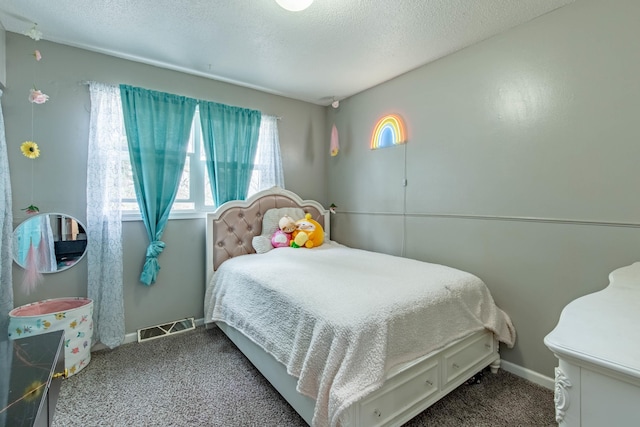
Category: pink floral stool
[73,315]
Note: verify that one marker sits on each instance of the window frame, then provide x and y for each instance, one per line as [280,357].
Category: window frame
[197,173]
[197,179]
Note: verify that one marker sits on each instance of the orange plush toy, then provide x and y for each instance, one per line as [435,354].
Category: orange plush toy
[313,230]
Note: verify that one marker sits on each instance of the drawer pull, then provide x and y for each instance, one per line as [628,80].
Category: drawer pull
[63,374]
[455,366]
[487,345]
[429,383]
[377,413]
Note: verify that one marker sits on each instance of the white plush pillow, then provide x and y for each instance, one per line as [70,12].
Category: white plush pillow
[262,243]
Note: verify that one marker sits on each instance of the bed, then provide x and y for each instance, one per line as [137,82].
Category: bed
[348,337]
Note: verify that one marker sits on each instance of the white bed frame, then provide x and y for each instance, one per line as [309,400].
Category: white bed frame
[408,389]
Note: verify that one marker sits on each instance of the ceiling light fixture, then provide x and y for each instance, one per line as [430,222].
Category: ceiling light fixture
[294,5]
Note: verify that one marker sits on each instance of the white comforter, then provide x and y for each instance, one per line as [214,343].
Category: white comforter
[339,318]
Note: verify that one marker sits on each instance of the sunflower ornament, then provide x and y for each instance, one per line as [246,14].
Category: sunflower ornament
[30,149]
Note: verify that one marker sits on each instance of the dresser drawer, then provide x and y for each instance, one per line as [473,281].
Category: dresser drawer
[406,389]
[460,358]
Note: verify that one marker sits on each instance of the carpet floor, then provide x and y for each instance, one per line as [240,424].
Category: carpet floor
[199,378]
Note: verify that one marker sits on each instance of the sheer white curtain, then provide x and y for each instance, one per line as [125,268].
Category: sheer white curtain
[104,215]
[267,170]
[46,248]
[6,233]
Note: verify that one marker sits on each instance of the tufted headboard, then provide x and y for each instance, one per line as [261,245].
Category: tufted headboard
[231,228]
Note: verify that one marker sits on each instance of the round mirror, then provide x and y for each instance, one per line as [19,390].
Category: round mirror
[53,241]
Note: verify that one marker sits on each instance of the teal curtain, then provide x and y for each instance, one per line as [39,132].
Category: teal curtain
[230,137]
[157,126]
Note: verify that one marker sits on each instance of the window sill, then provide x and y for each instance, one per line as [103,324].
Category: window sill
[126,217]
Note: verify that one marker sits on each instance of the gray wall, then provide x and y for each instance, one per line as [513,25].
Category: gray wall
[59,174]
[537,123]
[3,57]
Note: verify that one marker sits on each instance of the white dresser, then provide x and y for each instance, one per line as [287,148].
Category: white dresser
[597,343]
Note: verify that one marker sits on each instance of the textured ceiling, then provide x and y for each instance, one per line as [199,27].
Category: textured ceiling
[332,50]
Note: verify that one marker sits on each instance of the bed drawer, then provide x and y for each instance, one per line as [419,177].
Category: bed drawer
[458,359]
[406,389]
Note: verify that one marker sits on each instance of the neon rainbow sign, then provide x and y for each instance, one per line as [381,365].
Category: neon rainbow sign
[389,131]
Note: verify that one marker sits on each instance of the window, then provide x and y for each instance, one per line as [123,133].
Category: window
[194,192]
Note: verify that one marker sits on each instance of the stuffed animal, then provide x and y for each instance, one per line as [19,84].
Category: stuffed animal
[282,237]
[287,224]
[313,230]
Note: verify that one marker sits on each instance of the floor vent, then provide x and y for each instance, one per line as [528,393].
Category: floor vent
[166,329]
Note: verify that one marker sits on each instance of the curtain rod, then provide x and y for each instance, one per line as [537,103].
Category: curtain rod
[88,82]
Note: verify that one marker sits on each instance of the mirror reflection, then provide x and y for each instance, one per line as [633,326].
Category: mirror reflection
[53,241]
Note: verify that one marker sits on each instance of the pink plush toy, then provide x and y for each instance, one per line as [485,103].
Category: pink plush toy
[282,237]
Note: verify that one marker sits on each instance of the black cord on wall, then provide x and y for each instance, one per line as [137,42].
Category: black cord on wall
[404,203]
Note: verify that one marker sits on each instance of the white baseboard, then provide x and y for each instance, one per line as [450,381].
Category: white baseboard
[518,370]
[528,374]
[133,337]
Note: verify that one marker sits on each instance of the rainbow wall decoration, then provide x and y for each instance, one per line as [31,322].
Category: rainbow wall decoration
[389,131]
